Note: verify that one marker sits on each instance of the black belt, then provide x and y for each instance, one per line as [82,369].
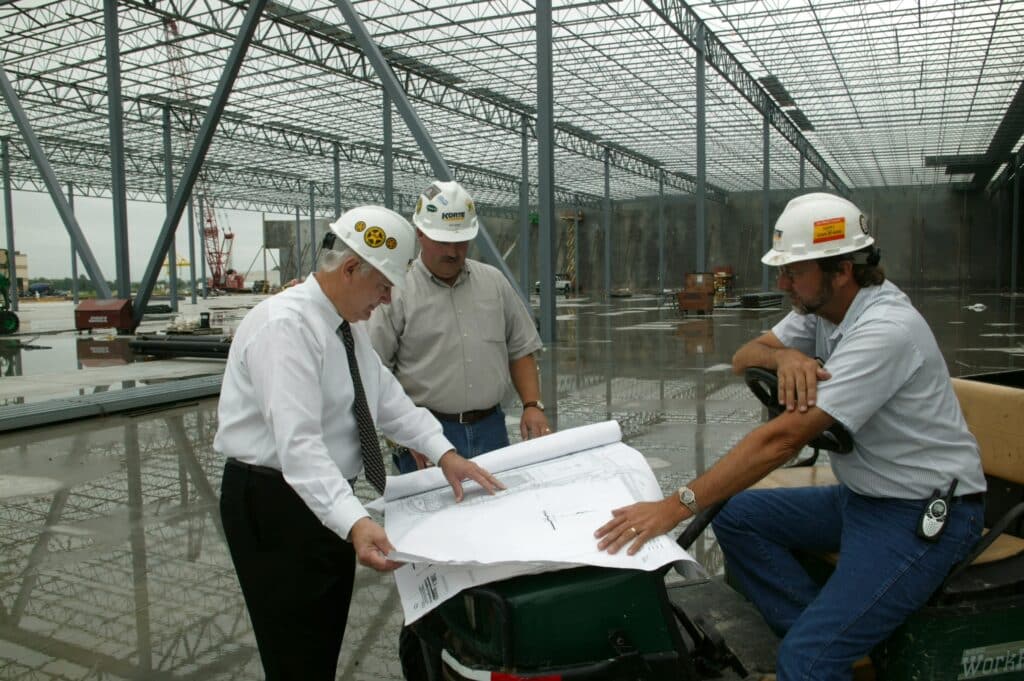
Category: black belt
[970,498]
[466,417]
[265,470]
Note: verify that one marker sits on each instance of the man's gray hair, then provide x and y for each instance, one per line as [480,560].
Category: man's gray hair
[331,259]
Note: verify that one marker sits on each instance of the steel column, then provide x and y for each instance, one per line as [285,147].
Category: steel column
[524,216]
[12,265]
[192,248]
[661,232]
[426,144]
[766,228]
[803,171]
[606,225]
[701,198]
[172,251]
[74,254]
[35,150]
[1015,224]
[545,175]
[198,154]
[546,198]
[337,182]
[298,244]
[115,127]
[389,153]
[202,256]
[312,226]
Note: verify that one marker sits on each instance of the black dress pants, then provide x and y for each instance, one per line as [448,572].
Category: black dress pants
[296,575]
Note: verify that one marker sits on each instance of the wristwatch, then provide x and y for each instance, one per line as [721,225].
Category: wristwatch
[533,403]
[688,499]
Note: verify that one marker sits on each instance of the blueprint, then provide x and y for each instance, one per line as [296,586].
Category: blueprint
[560,489]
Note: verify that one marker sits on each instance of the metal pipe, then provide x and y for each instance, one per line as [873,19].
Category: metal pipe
[337,183]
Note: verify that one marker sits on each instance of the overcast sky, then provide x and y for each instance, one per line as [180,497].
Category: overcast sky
[39,233]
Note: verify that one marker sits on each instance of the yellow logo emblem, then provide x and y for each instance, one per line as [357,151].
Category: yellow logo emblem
[375,237]
[360,226]
[391,243]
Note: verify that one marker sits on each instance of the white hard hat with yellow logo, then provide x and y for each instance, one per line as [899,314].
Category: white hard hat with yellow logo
[817,225]
[381,237]
[446,212]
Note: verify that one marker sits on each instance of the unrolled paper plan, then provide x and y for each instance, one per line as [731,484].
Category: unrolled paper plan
[560,488]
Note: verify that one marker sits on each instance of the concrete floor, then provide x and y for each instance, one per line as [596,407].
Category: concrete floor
[113,564]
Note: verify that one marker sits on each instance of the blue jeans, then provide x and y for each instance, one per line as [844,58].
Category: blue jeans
[471,440]
[885,571]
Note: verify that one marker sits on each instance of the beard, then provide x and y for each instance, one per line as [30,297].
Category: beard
[805,306]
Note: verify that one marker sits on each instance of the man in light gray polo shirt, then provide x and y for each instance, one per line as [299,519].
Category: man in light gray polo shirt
[457,334]
[853,351]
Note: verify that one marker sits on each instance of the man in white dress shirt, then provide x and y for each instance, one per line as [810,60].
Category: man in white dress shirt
[289,427]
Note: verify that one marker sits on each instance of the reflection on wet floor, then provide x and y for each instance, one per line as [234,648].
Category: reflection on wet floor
[113,563]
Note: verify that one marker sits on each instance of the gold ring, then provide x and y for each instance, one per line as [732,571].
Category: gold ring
[634,530]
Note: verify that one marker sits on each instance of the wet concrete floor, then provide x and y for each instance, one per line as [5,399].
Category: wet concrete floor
[112,561]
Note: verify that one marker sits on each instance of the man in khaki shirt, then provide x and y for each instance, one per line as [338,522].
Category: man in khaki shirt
[457,334]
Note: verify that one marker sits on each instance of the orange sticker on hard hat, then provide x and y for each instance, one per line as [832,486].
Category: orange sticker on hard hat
[829,230]
[391,243]
[375,237]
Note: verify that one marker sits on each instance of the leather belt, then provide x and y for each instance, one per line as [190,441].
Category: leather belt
[970,498]
[466,417]
[265,470]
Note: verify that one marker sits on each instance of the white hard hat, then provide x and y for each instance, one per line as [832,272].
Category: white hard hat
[379,236]
[446,212]
[817,225]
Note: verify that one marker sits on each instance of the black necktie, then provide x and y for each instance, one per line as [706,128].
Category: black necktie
[373,463]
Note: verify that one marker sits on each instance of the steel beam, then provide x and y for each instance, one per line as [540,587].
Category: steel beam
[92,268]
[685,22]
[202,240]
[426,144]
[115,128]
[198,154]
[298,245]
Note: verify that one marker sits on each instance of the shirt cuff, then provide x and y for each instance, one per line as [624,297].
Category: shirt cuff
[437,447]
[344,514]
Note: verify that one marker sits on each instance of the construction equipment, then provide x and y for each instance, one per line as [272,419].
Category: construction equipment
[217,242]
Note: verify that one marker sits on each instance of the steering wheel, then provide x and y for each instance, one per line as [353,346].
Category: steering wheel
[765,386]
